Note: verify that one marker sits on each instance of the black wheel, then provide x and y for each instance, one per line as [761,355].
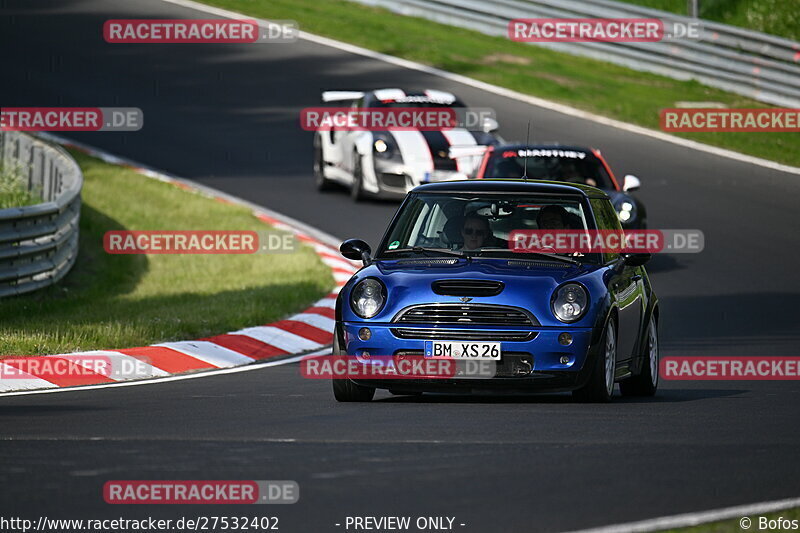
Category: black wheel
[357,188]
[323,183]
[345,390]
[646,383]
[600,386]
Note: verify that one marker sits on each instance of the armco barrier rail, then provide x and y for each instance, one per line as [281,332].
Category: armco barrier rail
[39,243]
[760,66]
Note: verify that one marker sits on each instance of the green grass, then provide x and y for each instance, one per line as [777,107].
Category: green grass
[584,83]
[732,525]
[117,301]
[14,189]
[778,17]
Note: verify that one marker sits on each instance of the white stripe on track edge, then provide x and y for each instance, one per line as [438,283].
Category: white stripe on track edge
[208,352]
[508,93]
[694,519]
[174,377]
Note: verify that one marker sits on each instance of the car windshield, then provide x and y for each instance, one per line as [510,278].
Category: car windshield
[477,225]
[572,166]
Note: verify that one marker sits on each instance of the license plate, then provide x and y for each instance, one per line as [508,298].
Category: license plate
[484,351]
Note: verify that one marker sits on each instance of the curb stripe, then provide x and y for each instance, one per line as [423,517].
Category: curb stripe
[209,352]
[247,345]
[166,359]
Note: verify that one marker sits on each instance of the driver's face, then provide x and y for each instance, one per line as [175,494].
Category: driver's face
[552,221]
[475,234]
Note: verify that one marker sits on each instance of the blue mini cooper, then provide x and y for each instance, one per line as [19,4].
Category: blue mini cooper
[445,283]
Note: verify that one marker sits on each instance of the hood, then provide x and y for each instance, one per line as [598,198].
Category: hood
[526,283]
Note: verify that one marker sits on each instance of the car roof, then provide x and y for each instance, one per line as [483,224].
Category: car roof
[544,146]
[511,185]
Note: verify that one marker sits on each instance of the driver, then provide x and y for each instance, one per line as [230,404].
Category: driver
[553,217]
[476,232]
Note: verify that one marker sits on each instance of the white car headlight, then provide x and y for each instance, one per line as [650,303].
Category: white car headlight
[626,211]
[368,297]
[570,302]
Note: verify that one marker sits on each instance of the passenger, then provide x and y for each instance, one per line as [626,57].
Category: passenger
[476,232]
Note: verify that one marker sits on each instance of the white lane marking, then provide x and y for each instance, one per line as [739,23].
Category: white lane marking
[313,319]
[178,377]
[288,342]
[508,93]
[211,353]
[693,519]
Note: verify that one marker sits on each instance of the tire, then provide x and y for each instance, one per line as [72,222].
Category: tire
[646,383]
[357,188]
[323,184]
[600,386]
[344,390]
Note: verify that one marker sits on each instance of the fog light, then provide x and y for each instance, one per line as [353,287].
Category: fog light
[564,359]
[364,334]
[565,339]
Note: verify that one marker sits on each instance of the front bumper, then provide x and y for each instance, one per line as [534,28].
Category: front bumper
[531,364]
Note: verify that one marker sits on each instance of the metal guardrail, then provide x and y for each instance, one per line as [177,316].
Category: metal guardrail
[39,243]
[760,66]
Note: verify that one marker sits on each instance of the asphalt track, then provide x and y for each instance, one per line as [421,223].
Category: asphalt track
[226,116]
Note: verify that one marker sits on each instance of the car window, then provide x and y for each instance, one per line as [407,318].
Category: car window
[476,223]
[571,166]
[607,219]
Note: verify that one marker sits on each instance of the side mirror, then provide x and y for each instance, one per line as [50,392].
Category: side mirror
[635,259]
[630,183]
[357,250]
[490,125]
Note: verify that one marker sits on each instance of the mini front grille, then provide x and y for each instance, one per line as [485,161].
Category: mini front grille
[467,287]
[464,334]
[466,314]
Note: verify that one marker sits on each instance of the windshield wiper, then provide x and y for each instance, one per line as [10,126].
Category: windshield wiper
[423,250]
[541,254]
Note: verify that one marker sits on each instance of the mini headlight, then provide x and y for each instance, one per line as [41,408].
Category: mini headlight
[381,146]
[570,302]
[367,298]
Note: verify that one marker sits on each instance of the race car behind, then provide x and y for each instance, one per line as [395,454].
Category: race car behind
[569,164]
[388,164]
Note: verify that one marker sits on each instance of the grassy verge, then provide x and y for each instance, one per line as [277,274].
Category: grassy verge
[115,301]
[584,83]
[734,525]
[778,17]
[14,189]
